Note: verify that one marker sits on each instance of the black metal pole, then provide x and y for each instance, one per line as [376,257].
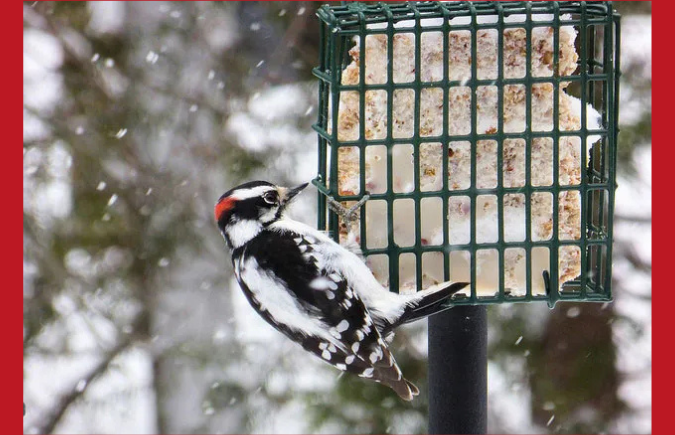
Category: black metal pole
[458,371]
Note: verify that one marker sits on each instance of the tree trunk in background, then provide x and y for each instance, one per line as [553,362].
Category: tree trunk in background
[572,370]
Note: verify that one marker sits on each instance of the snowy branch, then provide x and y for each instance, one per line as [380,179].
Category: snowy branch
[68,399]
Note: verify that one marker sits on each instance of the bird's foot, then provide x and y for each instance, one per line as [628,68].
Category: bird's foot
[348,215]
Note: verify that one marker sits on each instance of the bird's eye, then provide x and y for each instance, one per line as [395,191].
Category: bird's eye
[270,197]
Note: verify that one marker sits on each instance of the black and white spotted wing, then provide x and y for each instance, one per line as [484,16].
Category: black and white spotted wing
[285,279]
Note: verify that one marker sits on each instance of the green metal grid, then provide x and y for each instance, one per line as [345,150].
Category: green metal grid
[596,81]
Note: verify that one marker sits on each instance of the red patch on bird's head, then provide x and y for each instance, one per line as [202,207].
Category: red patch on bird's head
[223,206]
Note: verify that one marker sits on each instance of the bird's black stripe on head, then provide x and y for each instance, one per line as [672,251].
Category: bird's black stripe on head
[249,185]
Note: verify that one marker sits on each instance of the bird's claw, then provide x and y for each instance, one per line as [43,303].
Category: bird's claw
[347,214]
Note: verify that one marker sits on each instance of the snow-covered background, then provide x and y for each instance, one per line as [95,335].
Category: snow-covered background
[137,116]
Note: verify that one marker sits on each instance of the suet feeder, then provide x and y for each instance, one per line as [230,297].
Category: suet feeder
[485,136]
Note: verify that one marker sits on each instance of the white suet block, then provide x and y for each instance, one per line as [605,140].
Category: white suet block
[459,152]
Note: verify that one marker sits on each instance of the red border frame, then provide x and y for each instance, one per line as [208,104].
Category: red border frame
[661,158]
[12,49]
[12,125]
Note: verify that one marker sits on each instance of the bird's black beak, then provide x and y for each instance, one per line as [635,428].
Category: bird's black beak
[288,196]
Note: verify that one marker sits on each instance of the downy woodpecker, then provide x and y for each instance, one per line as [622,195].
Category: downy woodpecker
[313,290]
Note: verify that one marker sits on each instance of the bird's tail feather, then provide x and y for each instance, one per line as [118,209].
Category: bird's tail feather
[430,302]
[405,389]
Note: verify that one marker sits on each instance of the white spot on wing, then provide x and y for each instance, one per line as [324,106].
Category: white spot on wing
[343,326]
[320,283]
[355,347]
[349,359]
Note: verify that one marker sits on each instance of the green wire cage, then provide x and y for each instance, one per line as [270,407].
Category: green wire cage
[483,133]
